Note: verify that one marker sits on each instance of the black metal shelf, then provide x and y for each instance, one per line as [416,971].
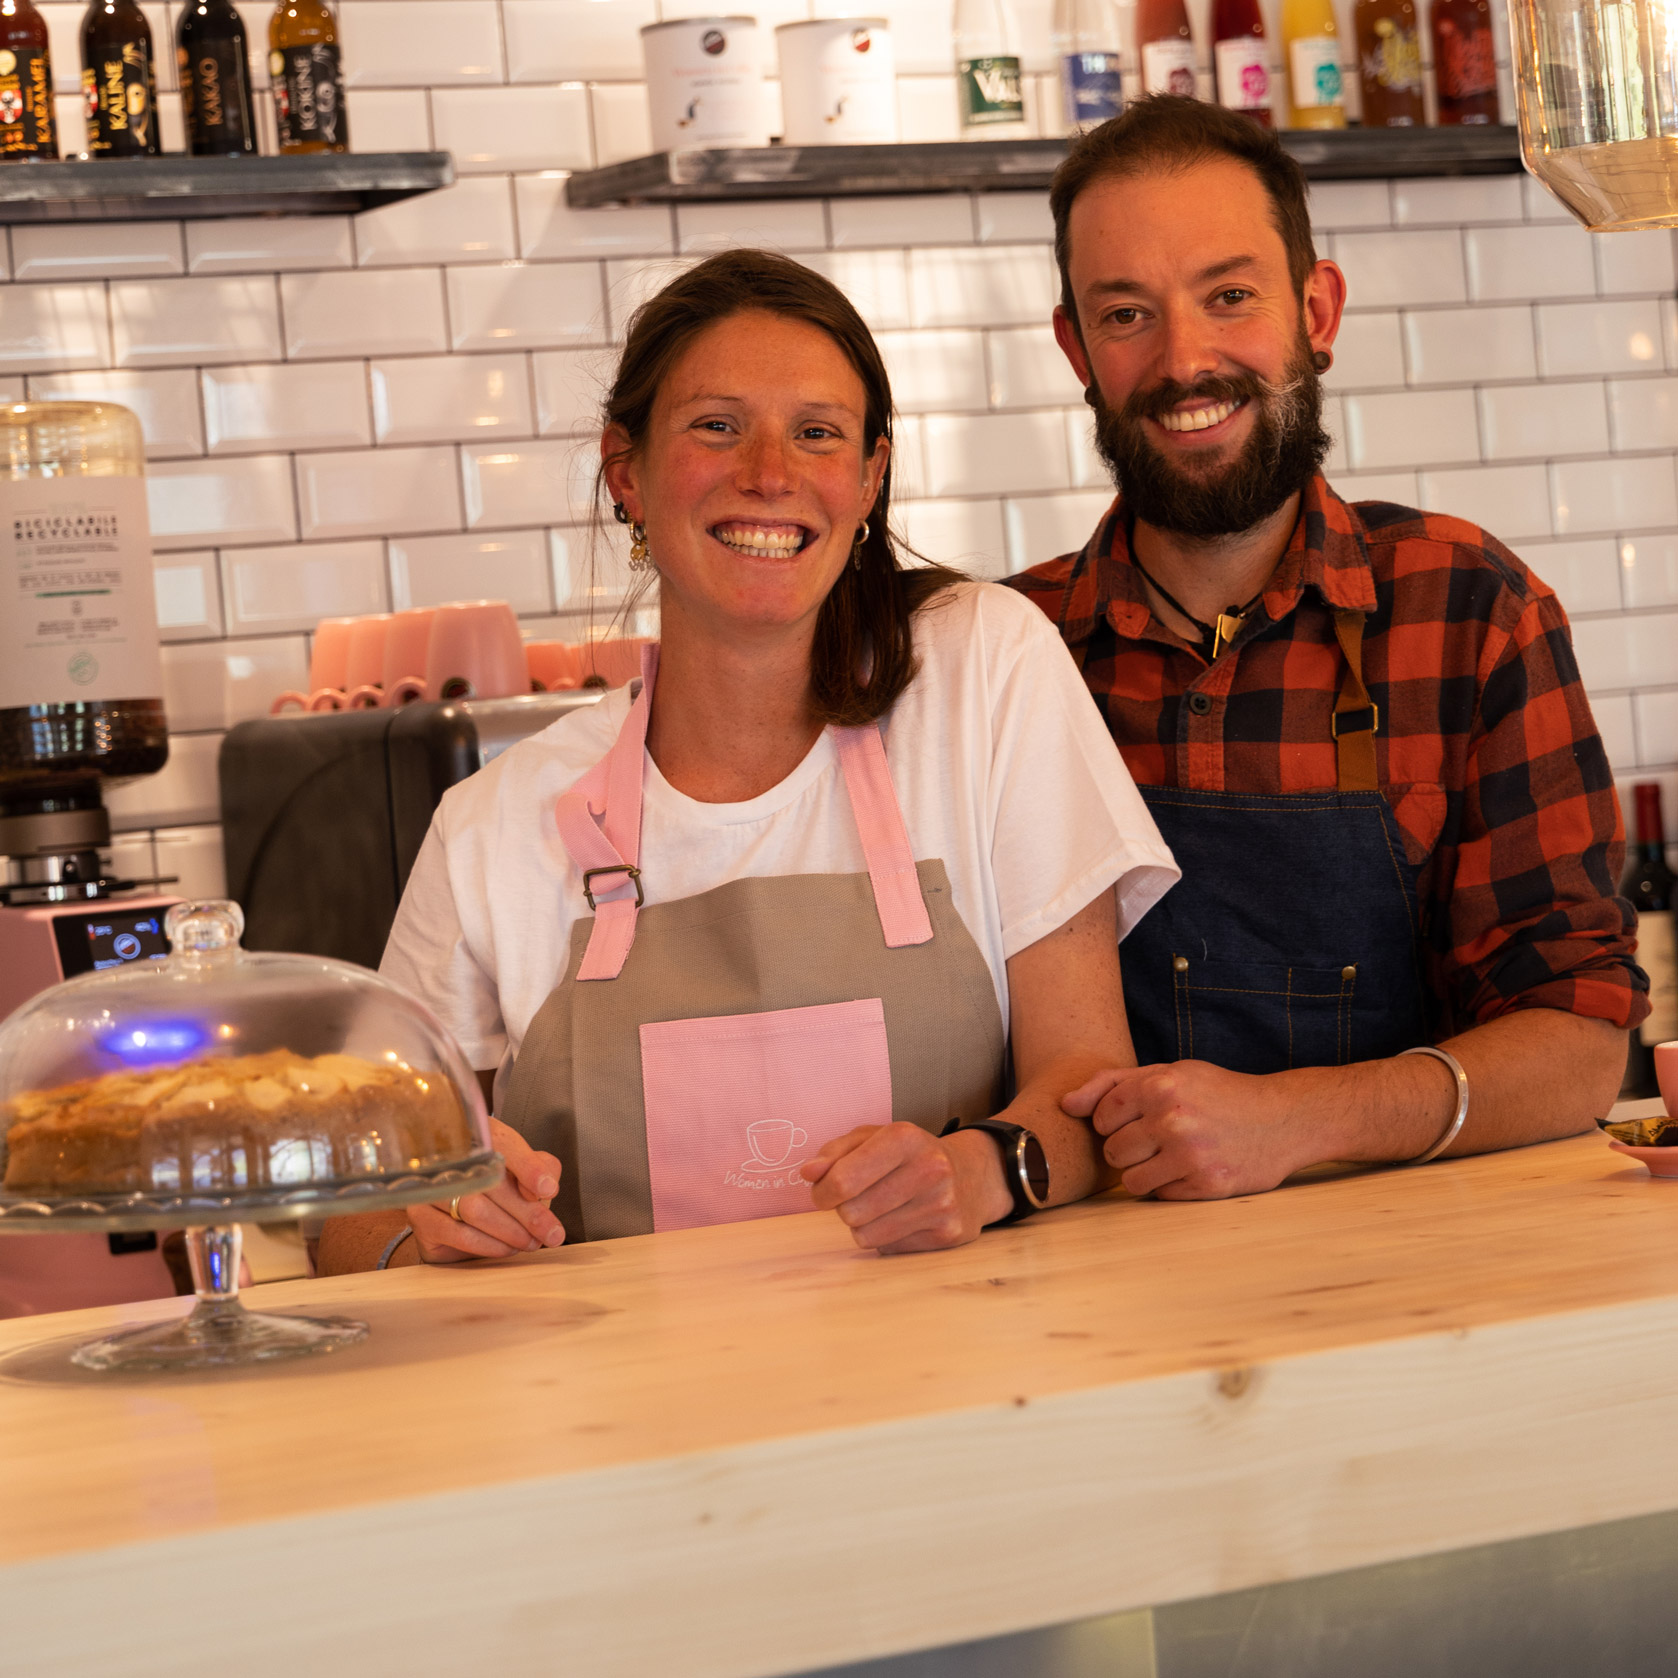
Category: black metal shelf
[194,188]
[686,177]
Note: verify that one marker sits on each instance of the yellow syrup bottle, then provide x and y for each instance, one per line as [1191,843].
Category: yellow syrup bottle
[1311,51]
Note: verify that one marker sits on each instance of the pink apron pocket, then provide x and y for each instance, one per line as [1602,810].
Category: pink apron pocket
[736,1104]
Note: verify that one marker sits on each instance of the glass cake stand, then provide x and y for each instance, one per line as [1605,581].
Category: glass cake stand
[219,1330]
[234,1088]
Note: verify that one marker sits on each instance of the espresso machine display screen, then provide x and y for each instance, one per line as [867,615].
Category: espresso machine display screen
[101,939]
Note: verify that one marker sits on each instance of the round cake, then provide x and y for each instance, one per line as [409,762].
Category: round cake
[226,1125]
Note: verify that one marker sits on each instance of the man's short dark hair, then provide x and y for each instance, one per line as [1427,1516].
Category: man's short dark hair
[1166,131]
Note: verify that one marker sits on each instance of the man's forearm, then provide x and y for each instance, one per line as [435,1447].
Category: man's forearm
[1532,1076]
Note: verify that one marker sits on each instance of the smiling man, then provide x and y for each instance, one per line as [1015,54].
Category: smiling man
[1359,727]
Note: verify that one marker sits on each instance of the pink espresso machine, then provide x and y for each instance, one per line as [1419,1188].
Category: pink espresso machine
[80,675]
[61,914]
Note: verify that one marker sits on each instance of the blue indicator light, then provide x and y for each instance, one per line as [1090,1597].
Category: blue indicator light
[149,1042]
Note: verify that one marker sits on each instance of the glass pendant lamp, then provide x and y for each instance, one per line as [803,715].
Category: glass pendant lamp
[1596,82]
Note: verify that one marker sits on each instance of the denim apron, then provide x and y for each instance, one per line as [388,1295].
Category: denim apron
[1294,935]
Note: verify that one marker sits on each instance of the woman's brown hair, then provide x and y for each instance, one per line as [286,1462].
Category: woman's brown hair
[863,656]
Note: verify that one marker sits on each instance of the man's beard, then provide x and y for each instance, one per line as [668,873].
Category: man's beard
[1282,453]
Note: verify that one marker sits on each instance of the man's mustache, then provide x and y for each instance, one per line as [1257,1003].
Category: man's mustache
[1158,400]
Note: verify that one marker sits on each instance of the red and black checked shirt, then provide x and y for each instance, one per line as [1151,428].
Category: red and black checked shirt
[1486,750]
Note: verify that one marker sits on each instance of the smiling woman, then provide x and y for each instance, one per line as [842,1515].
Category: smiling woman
[762,933]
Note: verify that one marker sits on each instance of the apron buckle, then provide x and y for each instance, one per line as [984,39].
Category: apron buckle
[634,878]
[1366,719]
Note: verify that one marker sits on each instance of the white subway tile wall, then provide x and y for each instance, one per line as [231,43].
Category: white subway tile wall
[355,414]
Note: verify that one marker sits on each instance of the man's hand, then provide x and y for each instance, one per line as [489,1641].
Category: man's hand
[1189,1130]
[900,1189]
[513,1217]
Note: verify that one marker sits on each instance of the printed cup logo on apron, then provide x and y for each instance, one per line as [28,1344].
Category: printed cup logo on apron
[837,1001]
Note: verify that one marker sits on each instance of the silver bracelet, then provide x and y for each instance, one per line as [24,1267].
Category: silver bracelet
[390,1248]
[1454,1128]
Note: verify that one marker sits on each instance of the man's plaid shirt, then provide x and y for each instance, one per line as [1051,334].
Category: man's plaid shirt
[1486,751]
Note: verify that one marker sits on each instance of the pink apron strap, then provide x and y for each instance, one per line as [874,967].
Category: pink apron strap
[885,840]
[599,823]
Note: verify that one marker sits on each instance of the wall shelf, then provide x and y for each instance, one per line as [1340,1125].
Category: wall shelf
[686,177]
[195,188]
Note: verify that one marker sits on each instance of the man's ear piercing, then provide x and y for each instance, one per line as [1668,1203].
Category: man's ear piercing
[1091,395]
[1322,361]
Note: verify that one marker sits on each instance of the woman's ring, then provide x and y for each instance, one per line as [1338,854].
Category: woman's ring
[454,1209]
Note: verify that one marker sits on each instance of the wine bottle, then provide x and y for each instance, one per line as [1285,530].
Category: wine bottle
[988,71]
[1312,42]
[1240,59]
[308,77]
[1649,883]
[1389,63]
[1464,68]
[1166,47]
[215,80]
[1087,46]
[119,80]
[27,127]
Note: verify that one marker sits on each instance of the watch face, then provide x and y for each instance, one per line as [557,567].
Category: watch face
[1036,1166]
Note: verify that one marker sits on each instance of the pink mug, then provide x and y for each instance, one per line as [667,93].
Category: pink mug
[329,654]
[406,641]
[322,699]
[474,652]
[615,662]
[1666,1075]
[364,667]
[555,666]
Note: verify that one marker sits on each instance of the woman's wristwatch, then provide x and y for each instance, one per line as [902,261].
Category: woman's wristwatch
[1025,1166]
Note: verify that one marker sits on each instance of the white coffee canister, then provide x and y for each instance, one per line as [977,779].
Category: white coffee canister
[705,83]
[838,82]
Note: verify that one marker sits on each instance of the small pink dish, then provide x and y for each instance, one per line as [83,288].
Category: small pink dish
[1662,1162]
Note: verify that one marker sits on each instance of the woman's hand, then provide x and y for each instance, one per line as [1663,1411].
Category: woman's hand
[513,1217]
[900,1189]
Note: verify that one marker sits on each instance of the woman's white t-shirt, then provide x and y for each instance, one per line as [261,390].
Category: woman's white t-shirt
[1002,766]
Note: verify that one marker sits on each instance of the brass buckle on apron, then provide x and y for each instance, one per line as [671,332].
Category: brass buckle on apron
[1365,720]
[615,868]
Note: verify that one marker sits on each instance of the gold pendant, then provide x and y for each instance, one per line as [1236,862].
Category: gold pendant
[1228,627]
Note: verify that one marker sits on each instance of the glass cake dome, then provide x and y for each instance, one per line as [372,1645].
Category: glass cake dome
[216,1086]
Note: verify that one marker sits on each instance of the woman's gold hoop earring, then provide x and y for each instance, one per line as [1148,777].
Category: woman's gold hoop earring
[856,546]
[639,558]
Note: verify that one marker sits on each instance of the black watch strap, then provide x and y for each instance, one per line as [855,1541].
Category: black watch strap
[1025,1166]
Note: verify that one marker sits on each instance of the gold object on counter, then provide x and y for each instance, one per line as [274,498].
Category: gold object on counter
[1657,1132]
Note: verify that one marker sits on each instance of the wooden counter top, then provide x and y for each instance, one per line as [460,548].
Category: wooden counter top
[752,1450]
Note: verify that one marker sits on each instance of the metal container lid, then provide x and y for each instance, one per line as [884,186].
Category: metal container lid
[829,22]
[690,22]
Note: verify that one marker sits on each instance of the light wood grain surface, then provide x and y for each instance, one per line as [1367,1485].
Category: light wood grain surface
[751,1449]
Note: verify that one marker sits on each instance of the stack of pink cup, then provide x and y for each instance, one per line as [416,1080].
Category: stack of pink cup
[556,666]
[468,649]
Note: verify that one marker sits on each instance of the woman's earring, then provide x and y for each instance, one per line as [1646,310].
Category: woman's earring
[856,546]
[618,513]
[639,558]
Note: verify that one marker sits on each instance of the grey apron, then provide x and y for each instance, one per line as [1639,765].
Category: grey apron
[696,1051]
